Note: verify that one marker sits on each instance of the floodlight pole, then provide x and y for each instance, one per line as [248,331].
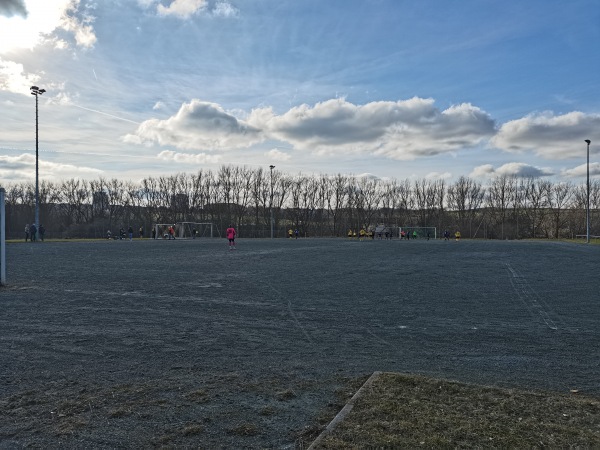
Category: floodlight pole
[587,203]
[37,91]
[271,202]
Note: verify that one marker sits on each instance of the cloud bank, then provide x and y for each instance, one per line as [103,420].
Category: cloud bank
[23,167]
[520,170]
[549,136]
[186,9]
[401,130]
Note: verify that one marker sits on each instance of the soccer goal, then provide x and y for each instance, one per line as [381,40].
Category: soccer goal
[184,230]
[419,232]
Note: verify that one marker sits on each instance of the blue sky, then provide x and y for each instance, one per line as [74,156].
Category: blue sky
[389,88]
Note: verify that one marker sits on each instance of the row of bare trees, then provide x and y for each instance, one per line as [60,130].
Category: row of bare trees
[317,205]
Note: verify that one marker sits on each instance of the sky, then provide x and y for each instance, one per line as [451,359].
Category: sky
[389,89]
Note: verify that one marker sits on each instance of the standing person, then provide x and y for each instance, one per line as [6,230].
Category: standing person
[154,233]
[296,232]
[457,235]
[141,230]
[42,232]
[231,236]
[130,232]
[26,232]
[32,232]
[446,235]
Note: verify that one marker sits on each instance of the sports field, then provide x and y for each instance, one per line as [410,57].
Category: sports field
[185,343]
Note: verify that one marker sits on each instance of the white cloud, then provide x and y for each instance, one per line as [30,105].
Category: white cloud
[278,155]
[512,169]
[188,158]
[181,8]
[82,30]
[438,176]
[581,171]
[23,166]
[146,3]
[366,176]
[14,79]
[184,9]
[224,9]
[400,130]
[198,125]
[44,18]
[549,136]
[483,171]
[397,130]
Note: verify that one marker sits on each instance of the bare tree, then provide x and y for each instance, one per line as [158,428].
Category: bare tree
[75,201]
[390,201]
[338,190]
[366,201]
[559,198]
[536,198]
[500,195]
[465,197]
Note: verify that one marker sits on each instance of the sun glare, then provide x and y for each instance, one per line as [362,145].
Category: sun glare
[43,17]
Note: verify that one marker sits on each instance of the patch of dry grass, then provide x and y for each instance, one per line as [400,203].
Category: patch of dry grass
[412,411]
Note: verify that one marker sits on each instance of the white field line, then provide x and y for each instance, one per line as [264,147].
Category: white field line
[529,297]
[345,411]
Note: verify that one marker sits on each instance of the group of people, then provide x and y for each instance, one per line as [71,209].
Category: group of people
[362,234]
[31,232]
[447,235]
[123,235]
[292,233]
[407,235]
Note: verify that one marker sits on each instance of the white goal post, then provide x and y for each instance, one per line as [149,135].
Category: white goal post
[184,230]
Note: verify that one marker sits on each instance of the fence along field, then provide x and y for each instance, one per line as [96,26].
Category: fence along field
[318,206]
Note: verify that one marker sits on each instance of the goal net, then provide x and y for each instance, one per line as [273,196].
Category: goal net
[418,232]
[184,230]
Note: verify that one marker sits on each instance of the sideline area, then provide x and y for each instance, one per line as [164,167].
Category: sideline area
[408,411]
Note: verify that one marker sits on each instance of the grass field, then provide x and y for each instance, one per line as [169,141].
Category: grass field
[169,343]
[408,411]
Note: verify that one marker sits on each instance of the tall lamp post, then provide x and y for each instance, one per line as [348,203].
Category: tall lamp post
[37,91]
[271,202]
[587,203]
